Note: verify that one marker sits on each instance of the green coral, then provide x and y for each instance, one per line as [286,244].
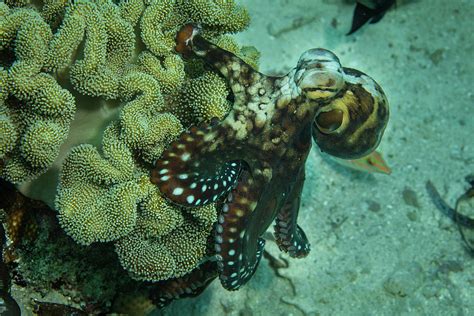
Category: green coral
[249,54]
[52,9]
[89,48]
[37,107]
[159,25]
[98,196]
[131,10]
[221,15]
[169,72]
[8,135]
[162,19]
[92,92]
[108,47]
[37,150]
[202,98]
[165,256]
[157,216]
[144,128]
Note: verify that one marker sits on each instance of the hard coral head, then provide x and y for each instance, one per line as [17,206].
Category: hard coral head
[319,74]
[351,125]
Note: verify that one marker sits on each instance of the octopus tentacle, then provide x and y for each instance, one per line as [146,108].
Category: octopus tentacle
[236,262]
[190,285]
[289,236]
[233,69]
[352,124]
[189,172]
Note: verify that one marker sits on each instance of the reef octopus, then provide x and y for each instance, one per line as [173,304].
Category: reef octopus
[253,161]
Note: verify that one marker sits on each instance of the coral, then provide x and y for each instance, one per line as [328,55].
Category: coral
[154,251]
[222,15]
[52,9]
[205,215]
[159,25]
[36,150]
[96,73]
[66,39]
[143,126]
[39,62]
[169,73]
[8,135]
[249,54]
[98,196]
[158,217]
[131,10]
[34,109]
[165,256]
[91,94]
[161,20]
[202,98]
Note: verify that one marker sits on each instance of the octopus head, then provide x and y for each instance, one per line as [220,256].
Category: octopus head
[319,74]
[351,125]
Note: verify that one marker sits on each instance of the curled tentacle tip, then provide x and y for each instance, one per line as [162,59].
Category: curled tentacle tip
[352,124]
[184,38]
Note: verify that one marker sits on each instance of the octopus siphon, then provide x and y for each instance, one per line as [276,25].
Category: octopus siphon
[253,161]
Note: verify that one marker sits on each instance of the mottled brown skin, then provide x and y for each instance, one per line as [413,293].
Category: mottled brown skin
[255,158]
[189,285]
[361,107]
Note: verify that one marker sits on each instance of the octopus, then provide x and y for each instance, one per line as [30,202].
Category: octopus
[252,162]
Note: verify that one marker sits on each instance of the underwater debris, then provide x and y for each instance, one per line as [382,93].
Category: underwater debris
[369,10]
[462,213]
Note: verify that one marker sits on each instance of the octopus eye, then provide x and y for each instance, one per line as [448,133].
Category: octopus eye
[329,122]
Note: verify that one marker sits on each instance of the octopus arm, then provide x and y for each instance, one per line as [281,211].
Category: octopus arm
[289,236]
[236,71]
[238,250]
[194,170]
[190,285]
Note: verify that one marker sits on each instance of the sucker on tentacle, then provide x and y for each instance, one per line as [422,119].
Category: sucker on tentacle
[231,235]
[190,182]
[255,157]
